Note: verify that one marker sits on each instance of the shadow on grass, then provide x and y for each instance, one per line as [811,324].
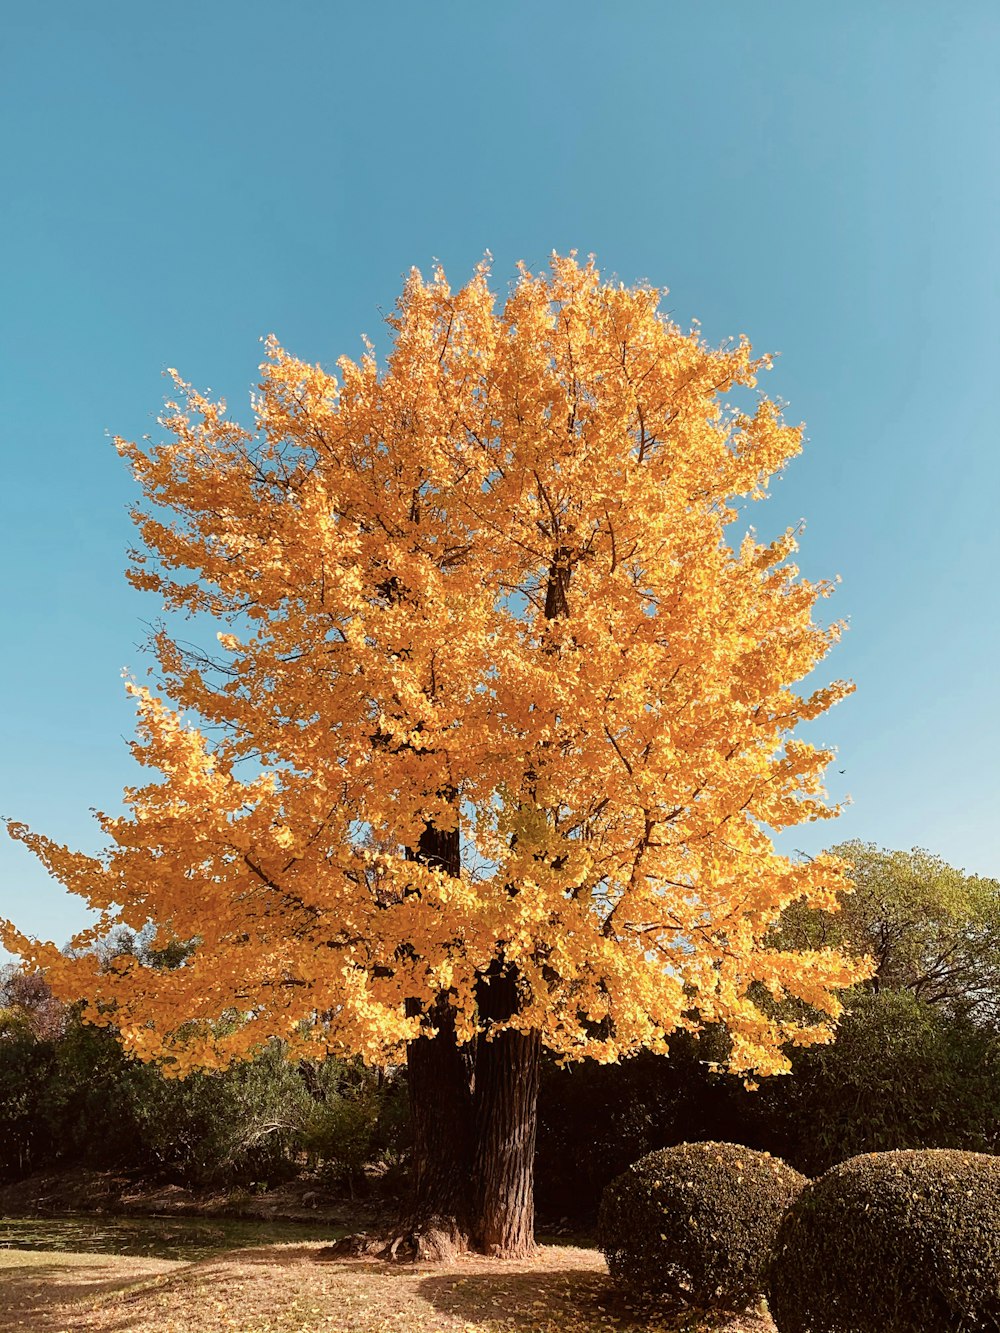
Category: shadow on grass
[31,1292]
[557,1300]
[180,1238]
[279,1254]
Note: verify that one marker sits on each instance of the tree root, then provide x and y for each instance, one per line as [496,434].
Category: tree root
[434,1240]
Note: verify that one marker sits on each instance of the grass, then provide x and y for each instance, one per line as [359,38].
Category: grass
[288,1289]
[185,1238]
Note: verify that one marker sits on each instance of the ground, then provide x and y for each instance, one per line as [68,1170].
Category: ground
[290,1289]
[81,1190]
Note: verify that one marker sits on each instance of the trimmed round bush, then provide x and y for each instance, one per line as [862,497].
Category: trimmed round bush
[696,1223]
[892,1242]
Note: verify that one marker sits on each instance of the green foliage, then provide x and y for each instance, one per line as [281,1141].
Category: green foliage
[931,929]
[696,1223]
[30,1023]
[94,1086]
[901,1074]
[356,1115]
[26,1071]
[898,1242]
[257,1122]
[239,1125]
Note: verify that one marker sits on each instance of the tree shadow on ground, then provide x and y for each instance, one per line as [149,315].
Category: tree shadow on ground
[565,1299]
[32,1291]
[280,1254]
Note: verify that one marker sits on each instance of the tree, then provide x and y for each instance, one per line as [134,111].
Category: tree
[27,1003]
[31,1022]
[930,929]
[902,1073]
[496,732]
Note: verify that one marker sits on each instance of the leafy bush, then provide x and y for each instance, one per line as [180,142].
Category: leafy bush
[26,1070]
[895,1242]
[902,1074]
[225,1127]
[356,1118]
[696,1222]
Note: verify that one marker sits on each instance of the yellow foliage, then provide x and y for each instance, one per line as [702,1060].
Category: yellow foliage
[379,552]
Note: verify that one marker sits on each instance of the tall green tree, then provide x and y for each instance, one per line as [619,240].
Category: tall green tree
[931,929]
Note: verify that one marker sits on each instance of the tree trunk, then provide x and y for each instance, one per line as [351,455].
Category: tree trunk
[439,1075]
[441,1120]
[474,1138]
[506,1101]
[507,1069]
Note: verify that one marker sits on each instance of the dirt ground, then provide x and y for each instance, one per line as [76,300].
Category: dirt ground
[289,1289]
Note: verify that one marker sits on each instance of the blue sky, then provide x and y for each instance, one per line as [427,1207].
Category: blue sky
[179,181]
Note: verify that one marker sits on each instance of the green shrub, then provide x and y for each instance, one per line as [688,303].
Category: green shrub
[26,1070]
[895,1242]
[695,1223]
[902,1074]
[340,1133]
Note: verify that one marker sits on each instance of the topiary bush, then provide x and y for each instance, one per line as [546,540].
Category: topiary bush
[893,1242]
[695,1223]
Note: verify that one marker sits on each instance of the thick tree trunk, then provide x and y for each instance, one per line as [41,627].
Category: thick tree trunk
[507,1070]
[439,1074]
[441,1120]
[506,1100]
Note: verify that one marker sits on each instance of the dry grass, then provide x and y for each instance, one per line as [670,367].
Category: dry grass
[37,1285]
[287,1289]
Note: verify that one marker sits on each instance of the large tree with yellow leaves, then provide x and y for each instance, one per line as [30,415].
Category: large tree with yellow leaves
[497,731]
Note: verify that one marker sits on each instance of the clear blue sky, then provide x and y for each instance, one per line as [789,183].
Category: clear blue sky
[180,180]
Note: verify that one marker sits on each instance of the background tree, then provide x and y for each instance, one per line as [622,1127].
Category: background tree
[498,730]
[930,929]
[27,1004]
[916,1058]
[903,1073]
[31,1022]
[64,1081]
[915,1063]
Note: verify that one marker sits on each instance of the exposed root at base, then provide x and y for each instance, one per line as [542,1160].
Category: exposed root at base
[437,1240]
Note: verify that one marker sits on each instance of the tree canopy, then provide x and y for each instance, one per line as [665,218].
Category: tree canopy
[486,588]
[928,927]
